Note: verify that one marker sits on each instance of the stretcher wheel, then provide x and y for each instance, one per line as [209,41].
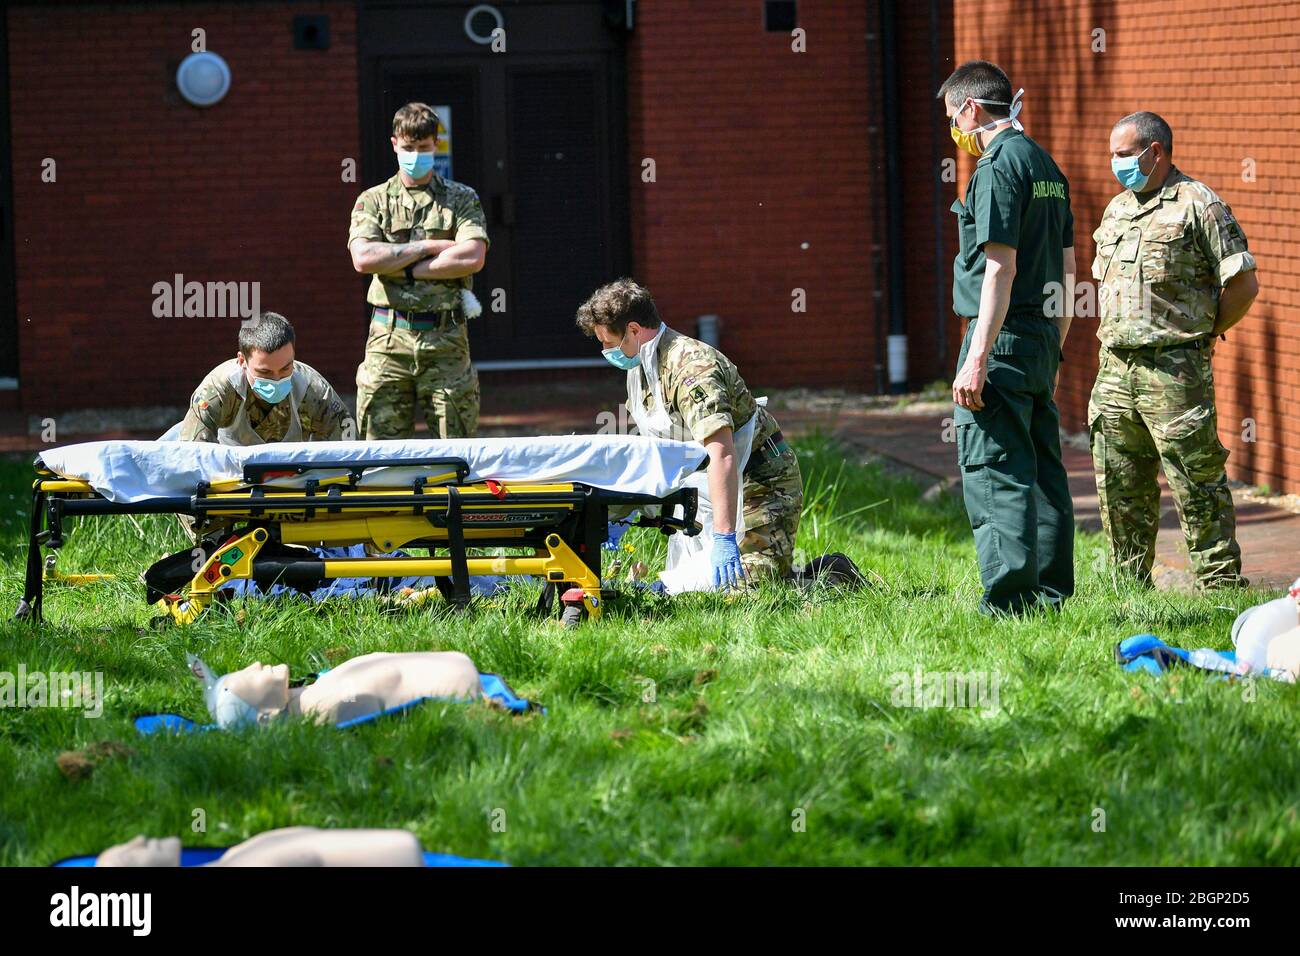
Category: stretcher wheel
[574,608]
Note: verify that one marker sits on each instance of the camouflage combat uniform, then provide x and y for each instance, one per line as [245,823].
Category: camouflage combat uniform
[225,409]
[223,402]
[1160,265]
[427,367]
[703,392]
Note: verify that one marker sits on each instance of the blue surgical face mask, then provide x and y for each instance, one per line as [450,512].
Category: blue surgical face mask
[414,164]
[616,358]
[272,390]
[1128,170]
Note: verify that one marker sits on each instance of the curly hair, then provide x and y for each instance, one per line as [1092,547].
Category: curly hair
[614,305]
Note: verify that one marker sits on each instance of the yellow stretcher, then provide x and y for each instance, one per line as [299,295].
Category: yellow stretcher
[564,524]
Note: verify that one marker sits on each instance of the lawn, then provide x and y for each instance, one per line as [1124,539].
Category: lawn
[763,729]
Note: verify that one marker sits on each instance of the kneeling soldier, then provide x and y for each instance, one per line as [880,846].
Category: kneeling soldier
[681,388]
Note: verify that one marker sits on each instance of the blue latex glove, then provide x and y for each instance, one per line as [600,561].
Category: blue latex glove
[727,570]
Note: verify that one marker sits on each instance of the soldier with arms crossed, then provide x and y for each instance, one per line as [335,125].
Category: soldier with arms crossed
[421,238]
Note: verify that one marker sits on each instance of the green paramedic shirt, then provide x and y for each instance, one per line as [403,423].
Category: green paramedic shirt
[1019,197]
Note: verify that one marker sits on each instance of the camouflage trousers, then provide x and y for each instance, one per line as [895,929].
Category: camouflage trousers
[773,500]
[406,372]
[1149,408]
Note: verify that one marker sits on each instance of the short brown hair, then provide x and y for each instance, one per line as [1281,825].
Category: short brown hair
[978,80]
[416,121]
[614,305]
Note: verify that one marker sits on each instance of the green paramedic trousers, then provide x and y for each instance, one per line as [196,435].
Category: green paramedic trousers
[1013,481]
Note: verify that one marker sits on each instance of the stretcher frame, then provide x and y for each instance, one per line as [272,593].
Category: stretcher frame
[564,523]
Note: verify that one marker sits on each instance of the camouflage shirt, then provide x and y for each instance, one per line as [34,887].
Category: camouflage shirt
[1162,261]
[216,402]
[703,391]
[394,212]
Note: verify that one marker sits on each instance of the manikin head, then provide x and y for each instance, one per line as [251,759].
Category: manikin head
[255,695]
[143,851]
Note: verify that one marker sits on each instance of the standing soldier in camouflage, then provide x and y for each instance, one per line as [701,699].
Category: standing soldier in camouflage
[1016,244]
[1173,272]
[421,237]
[264,394]
[681,388]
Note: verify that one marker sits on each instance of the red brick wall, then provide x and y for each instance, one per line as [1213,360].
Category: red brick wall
[758,150]
[1225,77]
[149,186]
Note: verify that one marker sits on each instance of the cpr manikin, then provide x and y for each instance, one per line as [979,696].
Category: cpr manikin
[291,846]
[1268,635]
[364,685]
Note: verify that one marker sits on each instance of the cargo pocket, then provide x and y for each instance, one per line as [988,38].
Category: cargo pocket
[977,441]
[979,446]
[1192,440]
[365,392]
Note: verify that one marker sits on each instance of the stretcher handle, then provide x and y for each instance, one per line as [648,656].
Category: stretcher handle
[688,498]
[255,472]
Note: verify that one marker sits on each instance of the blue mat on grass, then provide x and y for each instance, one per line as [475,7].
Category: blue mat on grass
[1148,654]
[200,855]
[493,686]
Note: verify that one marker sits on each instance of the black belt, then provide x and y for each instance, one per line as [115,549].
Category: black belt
[1157,349]
[770,449]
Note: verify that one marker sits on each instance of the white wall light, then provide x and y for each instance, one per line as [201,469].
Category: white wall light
[203,78]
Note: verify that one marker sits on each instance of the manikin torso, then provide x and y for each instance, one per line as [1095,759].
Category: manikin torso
[291,846]
[382,680]
[361,686]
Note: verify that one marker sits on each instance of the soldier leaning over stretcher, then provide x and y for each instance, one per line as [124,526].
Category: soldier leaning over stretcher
[263,394]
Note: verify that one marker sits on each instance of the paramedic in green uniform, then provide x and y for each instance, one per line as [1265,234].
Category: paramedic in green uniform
[1015,259]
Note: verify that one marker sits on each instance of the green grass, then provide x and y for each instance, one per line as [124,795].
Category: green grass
[767,710]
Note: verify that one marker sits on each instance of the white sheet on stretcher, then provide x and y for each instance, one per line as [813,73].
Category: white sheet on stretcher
[130,471]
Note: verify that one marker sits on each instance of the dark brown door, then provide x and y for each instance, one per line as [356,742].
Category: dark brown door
[539,135]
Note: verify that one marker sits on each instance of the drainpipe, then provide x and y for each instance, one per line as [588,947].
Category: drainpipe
[940,207]
[876,203]
[893,200]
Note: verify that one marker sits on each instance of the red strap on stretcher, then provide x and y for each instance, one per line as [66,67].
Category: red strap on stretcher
[495,488]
